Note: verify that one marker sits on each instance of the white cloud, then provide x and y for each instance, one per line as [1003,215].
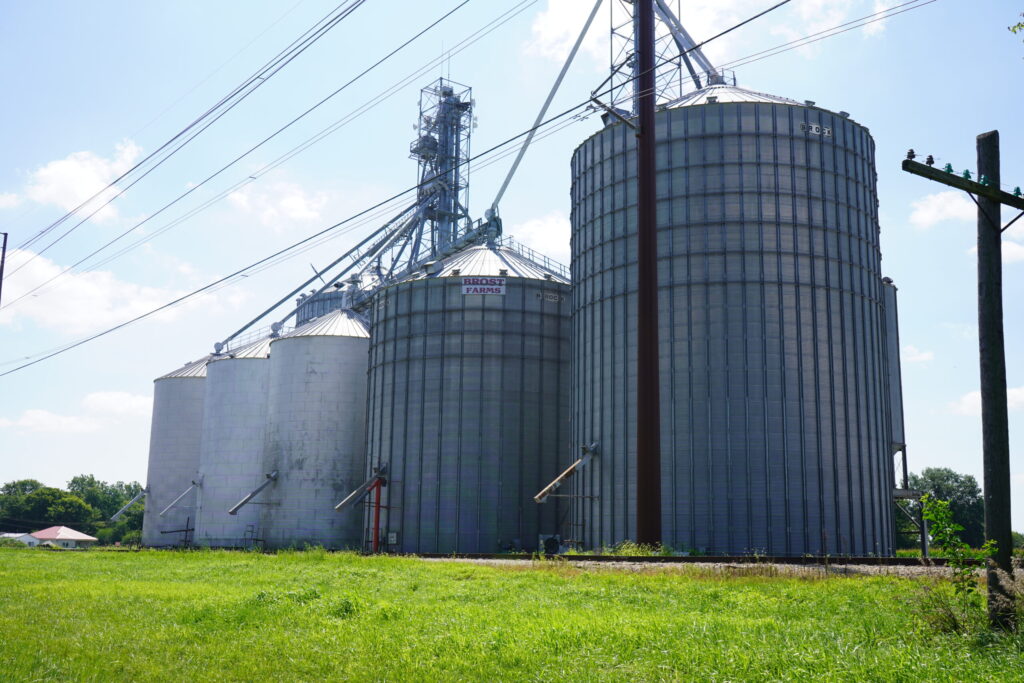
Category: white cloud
[78,302]
[118,403]
[1012,252]
[970,403]
[548,234]
[950,205]
[70,181]
[104,409]
[877,27]
[555,29]
[813,16]
[9,200]
[44,421]
[281,205]
[912,354]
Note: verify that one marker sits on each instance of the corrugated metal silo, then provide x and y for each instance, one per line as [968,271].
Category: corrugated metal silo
[773,369]
[174,453]
[895,380]
[231,448]
[468,401]
[316,432]
[311,306]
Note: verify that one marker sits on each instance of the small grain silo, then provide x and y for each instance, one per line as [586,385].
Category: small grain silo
[316,432]
[468,401]
[315,305]
[231,448]
[174,438]
[774,386]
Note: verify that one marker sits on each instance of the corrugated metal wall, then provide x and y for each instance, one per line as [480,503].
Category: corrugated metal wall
[468,407]
[173,458]
[231,453]
[309,307]
[892,340]
[315,440]
[775,430]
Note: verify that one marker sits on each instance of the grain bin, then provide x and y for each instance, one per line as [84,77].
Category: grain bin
[775,431]
[313,305]
[174,438]
[468,401]
[316,436]
[231,448]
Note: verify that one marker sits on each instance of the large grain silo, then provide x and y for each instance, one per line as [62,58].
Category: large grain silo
[468,402]
[316,435]
[231,448]
[774,388]
[174,455]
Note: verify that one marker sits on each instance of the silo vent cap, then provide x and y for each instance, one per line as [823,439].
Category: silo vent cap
[712,99]
[809,103]
[845,114]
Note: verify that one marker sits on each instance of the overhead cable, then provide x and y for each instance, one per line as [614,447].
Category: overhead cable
[316,138]
[222,107]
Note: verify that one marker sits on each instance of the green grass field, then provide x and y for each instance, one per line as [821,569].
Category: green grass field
[183,616]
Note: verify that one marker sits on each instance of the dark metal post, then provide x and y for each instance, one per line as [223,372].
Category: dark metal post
[906,475]
[648,405]
[994,430]
[3,258]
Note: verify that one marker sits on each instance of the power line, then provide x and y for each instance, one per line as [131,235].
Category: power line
[834,31]
[278,253]
[318,137]
[270,259]
[226,104]
[290,248]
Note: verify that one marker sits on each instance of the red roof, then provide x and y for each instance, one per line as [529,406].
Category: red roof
[62,533]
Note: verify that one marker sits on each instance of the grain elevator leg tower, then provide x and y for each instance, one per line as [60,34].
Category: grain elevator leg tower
[442,151]
[778,395]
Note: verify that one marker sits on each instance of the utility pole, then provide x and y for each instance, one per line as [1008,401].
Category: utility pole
[3,258]
[994,428]
[648,404]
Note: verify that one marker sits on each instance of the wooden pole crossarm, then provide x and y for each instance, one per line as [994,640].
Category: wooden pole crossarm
[953,180]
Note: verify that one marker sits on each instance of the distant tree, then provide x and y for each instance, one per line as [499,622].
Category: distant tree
[21,487]
[964,496]
[11,494]
[49,506]
[106,498]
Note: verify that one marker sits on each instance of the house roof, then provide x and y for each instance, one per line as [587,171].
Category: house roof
[14,534]
[62,533]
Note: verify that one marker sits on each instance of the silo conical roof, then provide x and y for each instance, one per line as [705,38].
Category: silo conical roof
[257,349]
[726,93]
[196,368]
[491,260]
[337,323]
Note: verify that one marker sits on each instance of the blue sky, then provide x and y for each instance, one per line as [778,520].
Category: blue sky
[89,88]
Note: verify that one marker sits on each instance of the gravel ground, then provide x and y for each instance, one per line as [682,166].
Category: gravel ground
[723,568]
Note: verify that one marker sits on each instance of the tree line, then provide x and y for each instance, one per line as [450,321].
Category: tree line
[86,505]
[965,503]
